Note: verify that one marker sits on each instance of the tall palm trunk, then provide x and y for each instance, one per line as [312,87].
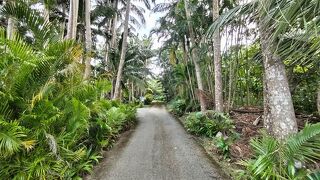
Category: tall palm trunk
[123,53]
[63,23]
[279,116]
[217,61]
[195,58]
[106,56]
[73,19]
[10,26]
[114,25]
[87,71]
[46,13]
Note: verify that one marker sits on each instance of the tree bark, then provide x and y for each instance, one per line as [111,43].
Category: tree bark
[123,53]
[46,13]
[63,24]
[195,58]
[10,28]
[11,25]
[279,116]
[217,61]
[87,71]
[114,25]
[73,19]
[318,98]
[106,56]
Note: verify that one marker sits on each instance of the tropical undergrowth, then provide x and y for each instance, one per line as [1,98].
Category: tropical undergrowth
[285,159]
[295,157]
[53,124]
[216,127]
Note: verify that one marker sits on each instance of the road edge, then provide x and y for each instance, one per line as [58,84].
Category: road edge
[214,160]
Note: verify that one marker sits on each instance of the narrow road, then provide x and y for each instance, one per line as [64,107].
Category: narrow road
[158,149]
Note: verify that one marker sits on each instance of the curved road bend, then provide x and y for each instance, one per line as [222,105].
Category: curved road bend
[158,149]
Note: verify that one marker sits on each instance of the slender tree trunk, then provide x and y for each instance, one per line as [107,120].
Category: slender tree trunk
[114,25]
[123,53]
[63,24]
[87,71]
[189,81]
[10,28]
[73,19]
[106,56]
[318,98]
[279,116]
[217,61]
[11,25]
[46,13]
[132,92]
[231,80]
[195,57]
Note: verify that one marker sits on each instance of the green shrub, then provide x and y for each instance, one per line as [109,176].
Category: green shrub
[223,145]
[208,124]
[286,159]
[177,107]
[148,98]
[53,124]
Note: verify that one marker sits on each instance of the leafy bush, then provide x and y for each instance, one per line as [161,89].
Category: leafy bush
[177,107]
[148,98]
[53,124]
[286,159]
[208,124]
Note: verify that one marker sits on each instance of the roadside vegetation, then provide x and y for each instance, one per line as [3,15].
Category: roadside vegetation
[59,106]
[256,102]
[243,76]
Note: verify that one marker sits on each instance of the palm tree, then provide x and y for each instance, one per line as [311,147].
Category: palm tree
[116,94]
[117,89]
[195,58]
[217,61]
[88,39]
[279,24]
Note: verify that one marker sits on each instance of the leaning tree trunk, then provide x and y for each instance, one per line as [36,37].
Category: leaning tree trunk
[279,116]
[217,61]
[87,71]
[73,19]
[195,57]
[117,89]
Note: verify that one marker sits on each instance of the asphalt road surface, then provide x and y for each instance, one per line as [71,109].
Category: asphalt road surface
[157,149]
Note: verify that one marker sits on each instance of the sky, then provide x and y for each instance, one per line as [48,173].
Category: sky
[151,22]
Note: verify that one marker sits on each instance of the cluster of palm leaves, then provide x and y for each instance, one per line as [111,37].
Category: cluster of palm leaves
[287,159]
[53,124]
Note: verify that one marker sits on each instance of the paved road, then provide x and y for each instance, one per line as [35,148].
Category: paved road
[158,149]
